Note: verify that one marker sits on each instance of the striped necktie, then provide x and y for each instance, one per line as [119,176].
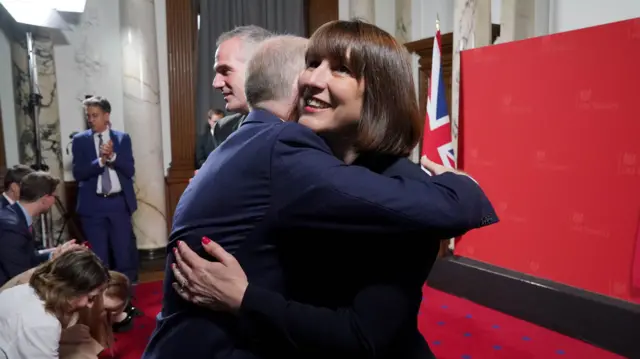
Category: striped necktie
[106,180]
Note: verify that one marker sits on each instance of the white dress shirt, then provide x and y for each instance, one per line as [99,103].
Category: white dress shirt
[27,331]
[8,198]
[113,175]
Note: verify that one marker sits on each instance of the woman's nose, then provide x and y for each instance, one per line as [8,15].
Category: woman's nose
[320,75]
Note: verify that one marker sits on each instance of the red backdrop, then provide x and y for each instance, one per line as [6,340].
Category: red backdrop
[551,130]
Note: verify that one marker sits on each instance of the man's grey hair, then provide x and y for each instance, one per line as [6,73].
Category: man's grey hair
[273,69]
[251,36]
[98,101]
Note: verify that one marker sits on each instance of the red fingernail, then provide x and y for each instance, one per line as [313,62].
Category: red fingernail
[175,249]
[205,240]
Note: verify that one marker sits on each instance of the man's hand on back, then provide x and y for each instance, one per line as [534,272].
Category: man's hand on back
[437,169]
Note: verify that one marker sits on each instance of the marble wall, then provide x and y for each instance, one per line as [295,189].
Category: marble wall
[48,116]
[142,119]
[89,64]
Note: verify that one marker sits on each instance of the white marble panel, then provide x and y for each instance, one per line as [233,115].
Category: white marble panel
[90,64]
[362,9]
[403,21]
[142,119]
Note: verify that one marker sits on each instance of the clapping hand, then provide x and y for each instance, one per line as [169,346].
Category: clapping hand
[106,151]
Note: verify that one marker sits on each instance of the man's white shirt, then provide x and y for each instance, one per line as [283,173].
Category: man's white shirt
[113,175]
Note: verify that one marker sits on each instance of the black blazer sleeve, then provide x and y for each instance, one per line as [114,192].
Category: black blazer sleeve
[18,253]
[316,190]
[363,330]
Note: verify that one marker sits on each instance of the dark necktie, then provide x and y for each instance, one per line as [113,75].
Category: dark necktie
[106,180]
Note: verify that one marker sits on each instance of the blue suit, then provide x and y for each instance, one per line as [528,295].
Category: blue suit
[273,188]
[3,201]
[17,247]
[106,220]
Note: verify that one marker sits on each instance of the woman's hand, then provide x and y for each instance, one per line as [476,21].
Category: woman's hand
[215,285]
[66,247]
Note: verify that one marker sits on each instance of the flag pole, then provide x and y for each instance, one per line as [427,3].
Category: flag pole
[437,22]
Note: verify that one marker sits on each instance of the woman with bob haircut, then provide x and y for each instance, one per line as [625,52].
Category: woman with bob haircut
[91,331]
[33,314]
[355,229]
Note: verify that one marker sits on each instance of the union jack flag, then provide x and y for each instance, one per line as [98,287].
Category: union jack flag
[437,143]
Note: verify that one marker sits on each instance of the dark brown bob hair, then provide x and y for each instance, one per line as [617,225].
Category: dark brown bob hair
[390,122]
[71,275]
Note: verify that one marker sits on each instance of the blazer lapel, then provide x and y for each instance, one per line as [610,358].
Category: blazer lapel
[115,140]
[23,219]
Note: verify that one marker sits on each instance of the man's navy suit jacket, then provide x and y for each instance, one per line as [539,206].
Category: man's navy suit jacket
[4,202]
[17,247]
[272,178]
[86,169]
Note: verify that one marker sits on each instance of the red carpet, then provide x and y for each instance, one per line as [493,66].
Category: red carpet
[459,329]
[454,327]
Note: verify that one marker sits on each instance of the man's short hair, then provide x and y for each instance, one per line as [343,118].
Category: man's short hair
[15,174]
[251,36]
[215,112]
[98,101]
[36,185]
[273,69]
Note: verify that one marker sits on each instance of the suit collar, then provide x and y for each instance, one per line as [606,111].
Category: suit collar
[261,116]
[22,213]
[6,198]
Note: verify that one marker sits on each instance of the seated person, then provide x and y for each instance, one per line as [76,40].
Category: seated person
[33,315]
[92,332]
[18,252]
[12,184]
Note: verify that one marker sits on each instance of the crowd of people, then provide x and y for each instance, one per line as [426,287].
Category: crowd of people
[306,233]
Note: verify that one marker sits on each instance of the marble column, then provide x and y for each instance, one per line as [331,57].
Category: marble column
[142,120]
[48,120]
[403,21]
[517,20]
[362,9]
[472,28]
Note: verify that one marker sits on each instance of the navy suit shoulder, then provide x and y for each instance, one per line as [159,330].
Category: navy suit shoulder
[228,201]
[18,248]
[3,201]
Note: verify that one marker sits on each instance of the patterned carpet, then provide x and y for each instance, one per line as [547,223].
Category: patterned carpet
[455,329]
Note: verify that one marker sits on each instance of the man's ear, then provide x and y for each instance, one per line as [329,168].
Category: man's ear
[14,188]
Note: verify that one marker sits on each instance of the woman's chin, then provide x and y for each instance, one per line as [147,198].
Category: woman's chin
[310,122]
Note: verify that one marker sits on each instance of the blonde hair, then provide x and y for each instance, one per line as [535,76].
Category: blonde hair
[96,318]
[71,275]
[273,69]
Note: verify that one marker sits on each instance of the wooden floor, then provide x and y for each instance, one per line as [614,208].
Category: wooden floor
[151,271]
